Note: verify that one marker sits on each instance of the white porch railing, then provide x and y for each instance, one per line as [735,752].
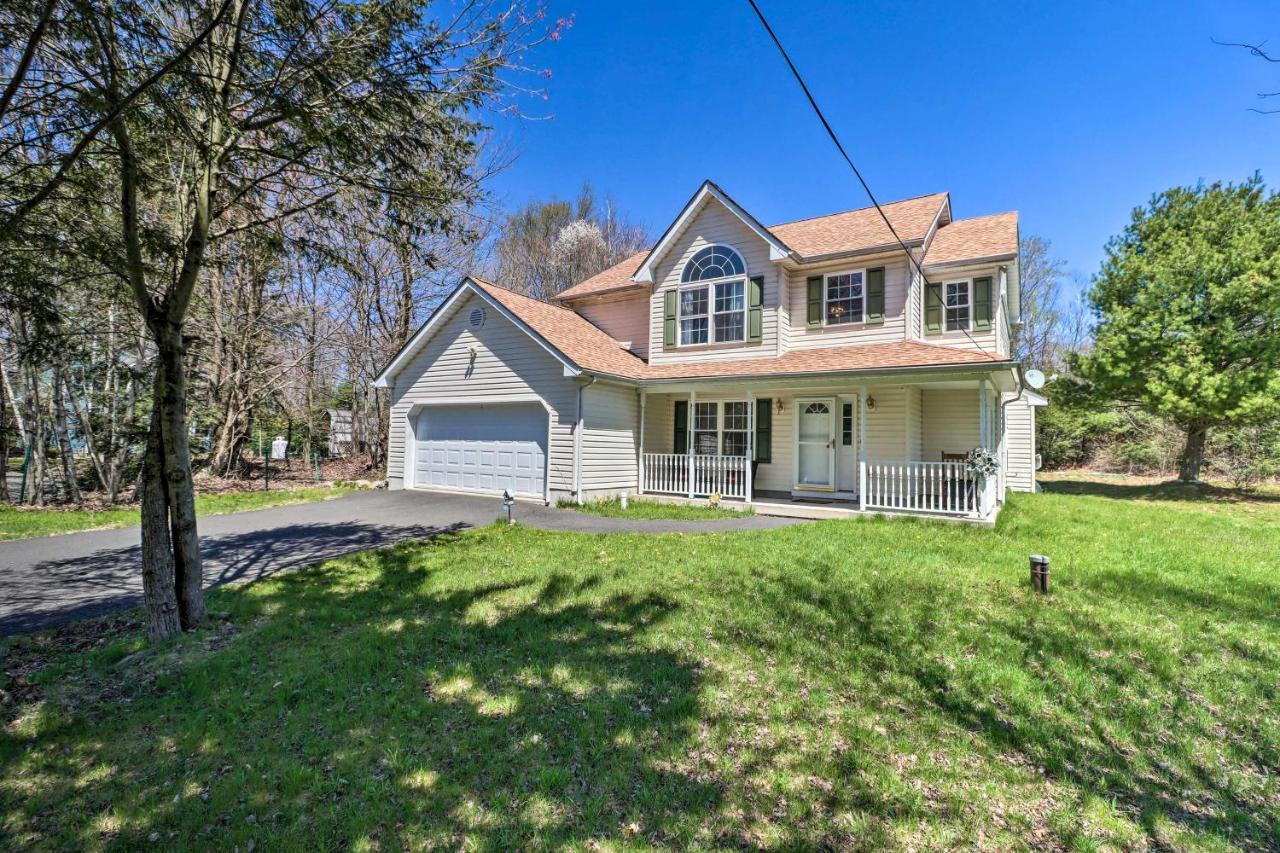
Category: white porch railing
[672,473]
[945,488]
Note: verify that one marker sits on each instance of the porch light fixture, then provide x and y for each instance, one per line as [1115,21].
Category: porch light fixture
[871,403]
[777,405]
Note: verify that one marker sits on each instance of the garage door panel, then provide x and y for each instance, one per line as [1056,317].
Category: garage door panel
[485,448]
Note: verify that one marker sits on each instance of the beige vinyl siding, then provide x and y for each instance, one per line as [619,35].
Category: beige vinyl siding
[950,421]
[1020,445]
[894,328]
[985,341]
[624,320]
[508,363]
[659,423]
[886,432]
[714,224]
[611,421]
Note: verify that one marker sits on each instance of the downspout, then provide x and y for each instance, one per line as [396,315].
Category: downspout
[577,445]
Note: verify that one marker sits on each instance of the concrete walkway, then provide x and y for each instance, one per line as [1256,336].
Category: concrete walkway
[58,579]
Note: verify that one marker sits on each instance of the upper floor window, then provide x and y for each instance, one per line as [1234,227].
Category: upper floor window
[958,306]
[713,297]
[844,298]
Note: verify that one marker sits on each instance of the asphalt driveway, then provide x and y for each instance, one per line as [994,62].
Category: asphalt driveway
[57,579]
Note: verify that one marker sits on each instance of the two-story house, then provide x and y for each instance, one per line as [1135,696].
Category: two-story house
[812,367]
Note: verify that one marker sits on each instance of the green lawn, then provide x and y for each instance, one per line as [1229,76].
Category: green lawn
[25,522]
[840,684]
[655,510]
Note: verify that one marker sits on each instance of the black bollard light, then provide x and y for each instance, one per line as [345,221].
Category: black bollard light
[508,500]
[1040,573]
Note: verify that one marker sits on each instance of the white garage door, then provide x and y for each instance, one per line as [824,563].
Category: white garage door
[482,448]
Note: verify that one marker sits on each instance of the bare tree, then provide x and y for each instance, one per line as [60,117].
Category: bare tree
[1040,275]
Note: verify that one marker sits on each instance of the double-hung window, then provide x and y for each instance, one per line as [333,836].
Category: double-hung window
[713,303]
[706,428]
[693,316]
[733,437]
[721,428]
[958,306]
[843,298]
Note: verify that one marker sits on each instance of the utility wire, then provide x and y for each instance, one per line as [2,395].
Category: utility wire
[795,72]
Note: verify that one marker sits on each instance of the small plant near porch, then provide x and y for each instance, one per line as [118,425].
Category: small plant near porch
[982,463]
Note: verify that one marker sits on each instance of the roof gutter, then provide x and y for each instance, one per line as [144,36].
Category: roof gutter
[963,367]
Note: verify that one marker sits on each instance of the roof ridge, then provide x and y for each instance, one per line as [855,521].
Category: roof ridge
[983,216]
[855,209]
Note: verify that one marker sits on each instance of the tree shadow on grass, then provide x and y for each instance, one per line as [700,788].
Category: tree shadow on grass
[373,708]
[1089,741]
[1171,490]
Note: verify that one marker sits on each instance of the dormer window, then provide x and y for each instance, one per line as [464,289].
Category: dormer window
[713,303]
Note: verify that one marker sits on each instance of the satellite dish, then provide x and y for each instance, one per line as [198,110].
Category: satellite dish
[1034,378]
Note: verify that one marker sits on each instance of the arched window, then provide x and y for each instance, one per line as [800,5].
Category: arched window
[713,262]
[713,303]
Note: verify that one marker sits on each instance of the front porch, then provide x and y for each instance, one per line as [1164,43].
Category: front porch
[825,451]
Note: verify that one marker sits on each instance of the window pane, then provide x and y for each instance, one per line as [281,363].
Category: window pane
[693,301]
[735,416]
[729,326]
[713,262]
[693,331]
[735,443]
[957,318]
[729,296]
[704,443]
[705,416]
[846,425]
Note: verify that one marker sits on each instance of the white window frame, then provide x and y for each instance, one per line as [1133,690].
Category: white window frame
[720,428]
[826,315]
[968,299]
[681,316]
[746,430]
[710,285]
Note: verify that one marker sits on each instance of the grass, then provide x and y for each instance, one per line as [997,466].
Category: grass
[26,522]
[655,510]
[843,684]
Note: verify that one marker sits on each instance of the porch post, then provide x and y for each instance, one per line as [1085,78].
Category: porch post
[688,436]
[862,447]
[751,440]
[640,449]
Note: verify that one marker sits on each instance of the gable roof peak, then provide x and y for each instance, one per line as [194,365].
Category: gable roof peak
[778,249]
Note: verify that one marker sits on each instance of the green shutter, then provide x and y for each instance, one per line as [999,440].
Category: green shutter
[815,301]
[932,308]
[875,296]
[764,430]
[669,319]
[755,301]
[982,303]
[680,435]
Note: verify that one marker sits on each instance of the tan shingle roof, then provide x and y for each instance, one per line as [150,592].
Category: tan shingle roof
[850,231]
[582,342]
[971,239]
[616,277]
[827,360]
[587,346]
[862,228]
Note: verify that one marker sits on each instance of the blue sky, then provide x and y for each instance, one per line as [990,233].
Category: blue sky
[1071,113]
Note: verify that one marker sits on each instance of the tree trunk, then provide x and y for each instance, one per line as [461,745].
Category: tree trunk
[4,450]
[158,588]
[171,399]
[63,430]
[1192,454]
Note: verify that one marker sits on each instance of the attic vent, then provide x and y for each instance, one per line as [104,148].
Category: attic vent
[477,318]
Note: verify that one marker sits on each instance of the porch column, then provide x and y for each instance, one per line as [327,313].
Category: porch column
[982,413]
[751,439]
[862,447]
[640,449]
[688,436]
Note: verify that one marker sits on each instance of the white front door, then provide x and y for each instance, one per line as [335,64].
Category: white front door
[815,443]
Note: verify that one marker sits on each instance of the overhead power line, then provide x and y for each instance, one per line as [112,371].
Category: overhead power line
[795,72]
